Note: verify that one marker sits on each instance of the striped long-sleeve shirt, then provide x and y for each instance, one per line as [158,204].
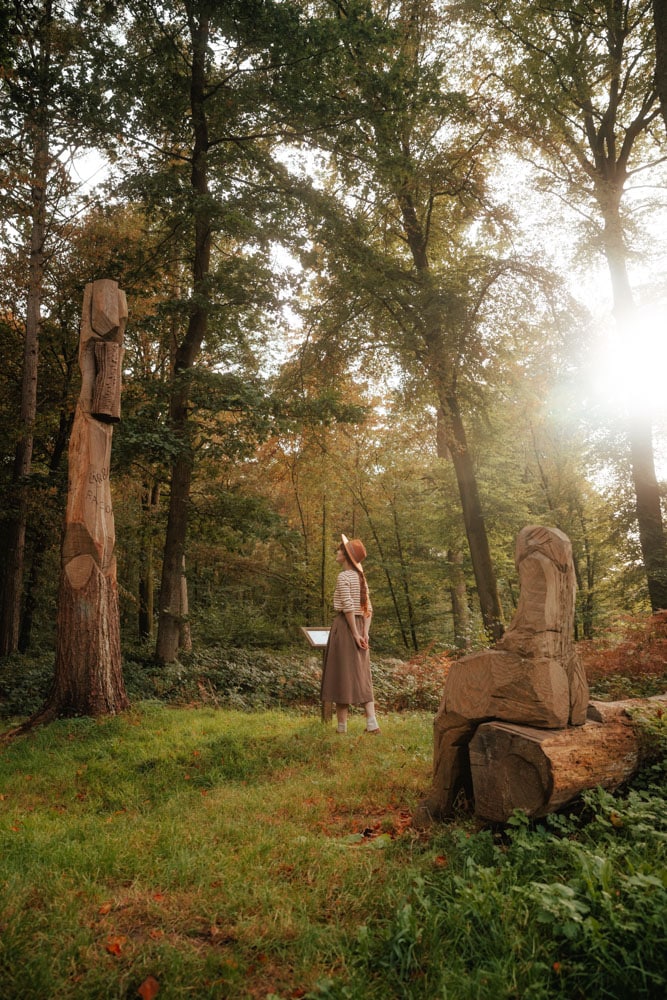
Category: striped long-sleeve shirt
[347,595]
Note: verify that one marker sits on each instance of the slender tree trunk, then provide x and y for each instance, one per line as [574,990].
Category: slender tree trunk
[43,534]
[150,499]
[405,581]
[184,632]
[458,591]
[473,519]
[660,20]
[323,560]
[587,592]
[388,576]
[442,377]
[14,543]
[459,599]
[171,615]
[640,434]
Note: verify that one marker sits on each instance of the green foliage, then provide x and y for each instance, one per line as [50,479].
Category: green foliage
[232,678]
[235,854]
[254,679]
[24,682]
[571,907]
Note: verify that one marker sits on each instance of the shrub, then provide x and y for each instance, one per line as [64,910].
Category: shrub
[630,662]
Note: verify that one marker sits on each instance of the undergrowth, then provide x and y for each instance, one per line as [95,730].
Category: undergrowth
[630,663]
[258,856]
[574,907]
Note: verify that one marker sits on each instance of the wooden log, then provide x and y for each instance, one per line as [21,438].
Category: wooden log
[540,771]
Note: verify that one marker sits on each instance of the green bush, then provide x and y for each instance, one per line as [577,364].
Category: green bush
[252,679]
[571,907]
[24,683]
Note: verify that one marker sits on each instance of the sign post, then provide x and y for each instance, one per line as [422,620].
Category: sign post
[318,637]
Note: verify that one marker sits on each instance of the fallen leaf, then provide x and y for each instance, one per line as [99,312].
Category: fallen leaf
[115,944]
[149,988]
[104,909]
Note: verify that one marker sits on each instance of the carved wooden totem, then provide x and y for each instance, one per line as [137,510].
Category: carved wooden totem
[88,676]
[532,676]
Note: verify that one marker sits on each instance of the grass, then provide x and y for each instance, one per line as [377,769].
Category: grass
[222,853]
[218,841]
[212,853]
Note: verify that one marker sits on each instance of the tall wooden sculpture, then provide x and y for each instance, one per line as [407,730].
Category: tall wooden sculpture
[532,676]
[88,677]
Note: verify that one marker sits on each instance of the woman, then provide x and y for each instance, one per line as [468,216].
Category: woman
[346,677]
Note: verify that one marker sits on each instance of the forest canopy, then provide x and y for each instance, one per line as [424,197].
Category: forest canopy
[394,268]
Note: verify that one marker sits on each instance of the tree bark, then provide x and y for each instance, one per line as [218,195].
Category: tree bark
[539,771]
[88,676]
[473,519]
[171,616]
[150,498]
[660,21]
[405,581]
[443,379]
[457,590]
[640,436]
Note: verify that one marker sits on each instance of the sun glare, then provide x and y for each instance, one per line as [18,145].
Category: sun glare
[630,368]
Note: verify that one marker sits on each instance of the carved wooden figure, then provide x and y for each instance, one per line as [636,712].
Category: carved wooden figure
[532,676]
[88,678]
[541,770]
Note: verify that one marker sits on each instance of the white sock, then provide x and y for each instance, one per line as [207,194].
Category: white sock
[341,727]
[372,724]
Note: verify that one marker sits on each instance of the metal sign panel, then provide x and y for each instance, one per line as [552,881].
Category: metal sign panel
[317,636]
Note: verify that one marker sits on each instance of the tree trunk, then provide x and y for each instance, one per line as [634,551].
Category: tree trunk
[443,380]
[459,598]
[405,581]
[539,771]
[385,565]
[88,677]
[14,542]
[171,587]
[171,617]
[457,585]
[647,491]
[473,518]
[323,560]
[660,20]
[150,498]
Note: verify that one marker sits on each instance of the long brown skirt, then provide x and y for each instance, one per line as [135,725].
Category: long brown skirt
[346,675]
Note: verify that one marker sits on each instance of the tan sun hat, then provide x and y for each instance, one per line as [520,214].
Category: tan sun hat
[355,550]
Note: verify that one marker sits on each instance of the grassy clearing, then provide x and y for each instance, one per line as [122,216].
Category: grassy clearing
[222,853]
[213,853]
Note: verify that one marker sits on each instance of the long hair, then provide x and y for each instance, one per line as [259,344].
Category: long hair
[355,552]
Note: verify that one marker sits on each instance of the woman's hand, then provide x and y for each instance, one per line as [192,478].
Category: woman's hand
[361,641]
